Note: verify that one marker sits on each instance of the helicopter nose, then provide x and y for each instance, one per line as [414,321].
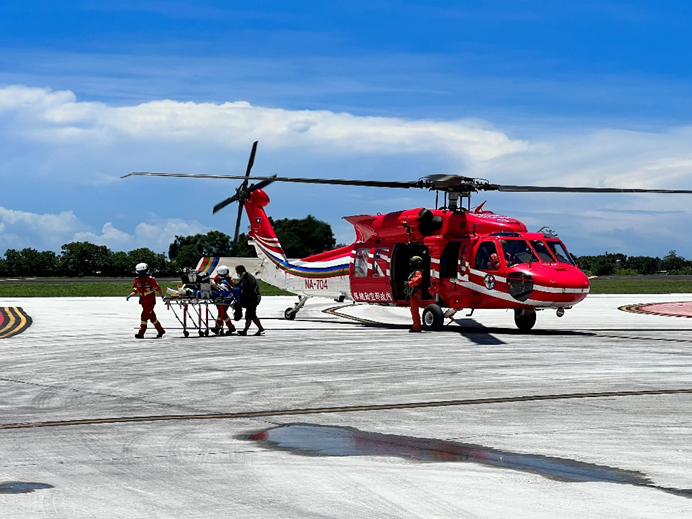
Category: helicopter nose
[569,284]
[550,286]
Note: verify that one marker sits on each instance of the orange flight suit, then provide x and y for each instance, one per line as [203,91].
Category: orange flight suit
[147,287]
[415,280]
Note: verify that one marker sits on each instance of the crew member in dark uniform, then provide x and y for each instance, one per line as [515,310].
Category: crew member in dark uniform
[249,299]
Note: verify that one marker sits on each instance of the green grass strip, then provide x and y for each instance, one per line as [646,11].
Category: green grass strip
[96,289]
[635,286]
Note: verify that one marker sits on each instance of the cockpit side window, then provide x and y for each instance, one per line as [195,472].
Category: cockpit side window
[517,252]
[560,252]
[542,250]
[486,256]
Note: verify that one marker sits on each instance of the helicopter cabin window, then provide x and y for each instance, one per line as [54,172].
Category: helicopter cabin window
[380,262]
[463,258]
[517,252]
[449,259]
[360,263]
[486,256]
[560,252]
[542,251]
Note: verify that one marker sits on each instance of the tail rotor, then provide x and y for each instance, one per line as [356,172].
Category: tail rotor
[242,192]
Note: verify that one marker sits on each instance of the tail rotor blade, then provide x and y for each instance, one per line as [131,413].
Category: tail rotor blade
[237,222]
[251,161]
[261,185]
[223,204]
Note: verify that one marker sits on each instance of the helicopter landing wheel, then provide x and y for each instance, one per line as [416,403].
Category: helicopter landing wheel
[290,314]
[433,318]
[524,318]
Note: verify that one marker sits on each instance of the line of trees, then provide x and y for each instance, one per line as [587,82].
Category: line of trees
[620,264]
[300,238]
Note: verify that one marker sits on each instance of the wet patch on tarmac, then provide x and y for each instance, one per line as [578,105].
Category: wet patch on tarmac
[19,487]
[320,440]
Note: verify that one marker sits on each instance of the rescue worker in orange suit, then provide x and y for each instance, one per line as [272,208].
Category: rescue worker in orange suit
[146,287]
[223,278]
[413,291]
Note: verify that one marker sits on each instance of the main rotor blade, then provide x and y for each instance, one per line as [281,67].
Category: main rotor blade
[448,183]
[422,184]
[555,189]
[223,204]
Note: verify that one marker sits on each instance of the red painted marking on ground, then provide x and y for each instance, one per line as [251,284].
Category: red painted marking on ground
[681,309]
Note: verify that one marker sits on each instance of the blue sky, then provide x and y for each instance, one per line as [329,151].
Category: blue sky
[526,92]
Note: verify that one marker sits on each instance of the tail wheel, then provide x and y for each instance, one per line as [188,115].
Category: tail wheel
[433,318]
[524,318]
[290,314]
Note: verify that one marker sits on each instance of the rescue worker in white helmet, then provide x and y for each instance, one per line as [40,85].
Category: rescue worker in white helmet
[145,286]
[223,278]
[412,289]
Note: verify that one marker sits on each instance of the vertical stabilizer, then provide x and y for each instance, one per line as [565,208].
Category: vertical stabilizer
[261,231]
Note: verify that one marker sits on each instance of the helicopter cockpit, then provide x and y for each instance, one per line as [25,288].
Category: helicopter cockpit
[518,249]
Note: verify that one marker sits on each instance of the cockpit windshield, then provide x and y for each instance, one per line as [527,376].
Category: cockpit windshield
[560,252]
[542,250]
[517,251]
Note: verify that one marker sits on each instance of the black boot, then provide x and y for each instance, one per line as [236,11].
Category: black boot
[139,336]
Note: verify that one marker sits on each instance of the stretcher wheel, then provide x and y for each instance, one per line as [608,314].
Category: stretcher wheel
[201,333]
[206,333]
[186,333]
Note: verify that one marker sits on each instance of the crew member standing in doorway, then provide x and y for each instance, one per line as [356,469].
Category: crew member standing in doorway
[146,286]
[249,299]
[413,291]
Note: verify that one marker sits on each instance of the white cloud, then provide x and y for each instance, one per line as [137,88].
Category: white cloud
[21,229]
[46,116]
[53,137]
[159,233]
[110,236]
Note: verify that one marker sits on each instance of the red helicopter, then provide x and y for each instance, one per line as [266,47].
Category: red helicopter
[473,258]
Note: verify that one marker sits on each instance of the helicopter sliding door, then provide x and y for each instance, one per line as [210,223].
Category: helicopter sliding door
[370,271]
[401,255]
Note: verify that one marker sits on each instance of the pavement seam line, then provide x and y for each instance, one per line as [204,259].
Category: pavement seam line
[326,410]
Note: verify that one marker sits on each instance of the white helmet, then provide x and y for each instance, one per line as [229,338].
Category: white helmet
[222,271]
[141,268]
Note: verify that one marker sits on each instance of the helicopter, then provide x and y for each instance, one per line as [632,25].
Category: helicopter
[472,258]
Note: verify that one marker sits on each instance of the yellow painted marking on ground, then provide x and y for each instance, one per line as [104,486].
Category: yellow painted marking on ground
[8,329]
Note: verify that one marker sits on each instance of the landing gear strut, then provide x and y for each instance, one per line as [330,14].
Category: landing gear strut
[290,312]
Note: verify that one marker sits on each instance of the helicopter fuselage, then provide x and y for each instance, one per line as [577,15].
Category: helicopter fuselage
[472,260]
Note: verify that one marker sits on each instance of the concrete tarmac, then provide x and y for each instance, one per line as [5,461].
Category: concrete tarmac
[346,414]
